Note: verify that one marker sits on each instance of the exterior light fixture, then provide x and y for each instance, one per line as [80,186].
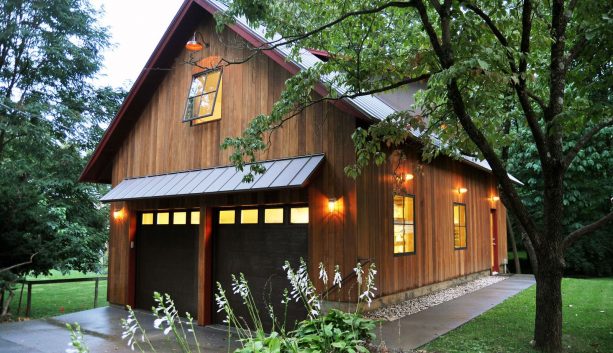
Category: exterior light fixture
[494,198]
[332,204]
[408,176]
[462,191]
[119,215]
[194,45]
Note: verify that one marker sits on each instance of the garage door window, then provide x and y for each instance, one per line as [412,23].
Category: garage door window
[179,218]
[163,218]
[249,216]
[299,215]
[273,216]
[195,217]
[147,219]
[226,217]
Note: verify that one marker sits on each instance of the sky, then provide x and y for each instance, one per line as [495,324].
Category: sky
[136,26]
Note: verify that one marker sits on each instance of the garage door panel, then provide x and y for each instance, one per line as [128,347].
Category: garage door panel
[259,251]
[166,260]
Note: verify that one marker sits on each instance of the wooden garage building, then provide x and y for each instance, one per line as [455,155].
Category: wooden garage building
[182,218]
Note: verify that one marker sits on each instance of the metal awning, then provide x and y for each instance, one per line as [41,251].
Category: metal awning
[279,174]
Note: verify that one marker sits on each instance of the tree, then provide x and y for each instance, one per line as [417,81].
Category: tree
[51,117]
[545,67]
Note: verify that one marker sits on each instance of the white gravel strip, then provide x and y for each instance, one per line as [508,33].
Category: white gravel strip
[412,306]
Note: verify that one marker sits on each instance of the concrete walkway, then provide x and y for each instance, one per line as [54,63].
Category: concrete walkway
[413,331]
[102,333]
[102,329]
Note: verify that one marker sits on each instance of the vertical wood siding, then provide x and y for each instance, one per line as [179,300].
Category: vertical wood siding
[362,227]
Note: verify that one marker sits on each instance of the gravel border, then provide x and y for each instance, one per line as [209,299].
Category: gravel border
[415,305]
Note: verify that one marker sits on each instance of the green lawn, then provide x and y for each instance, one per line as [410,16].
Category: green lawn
[61,298]
[521,254]
[588,322]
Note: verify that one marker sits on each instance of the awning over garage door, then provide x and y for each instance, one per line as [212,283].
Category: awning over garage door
[282,173]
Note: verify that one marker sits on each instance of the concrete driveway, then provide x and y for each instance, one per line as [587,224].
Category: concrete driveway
[102,330]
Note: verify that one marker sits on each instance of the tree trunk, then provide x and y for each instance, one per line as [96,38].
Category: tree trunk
[511,234]
[548,321]
[531,254]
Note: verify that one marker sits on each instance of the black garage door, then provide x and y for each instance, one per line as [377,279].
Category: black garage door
[166,261]
[257,242]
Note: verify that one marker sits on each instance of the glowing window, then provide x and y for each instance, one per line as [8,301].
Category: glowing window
[147,219]
[299,215]
[204,100]
[163,218]
[273,215]
[459,226]
[404,224]
[179,218]
[227,217]
[249,216]
[194,217]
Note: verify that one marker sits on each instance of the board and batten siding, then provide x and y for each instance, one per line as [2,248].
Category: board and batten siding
[361,229]
[435,187]
[160,143]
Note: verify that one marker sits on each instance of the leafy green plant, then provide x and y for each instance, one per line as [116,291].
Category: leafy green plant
[77,343]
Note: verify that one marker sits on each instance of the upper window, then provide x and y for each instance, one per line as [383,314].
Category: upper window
[404,224]
[459,226]
[204,100]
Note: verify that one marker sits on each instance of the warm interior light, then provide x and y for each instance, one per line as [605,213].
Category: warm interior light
[193,44]
[462,190]
[408,176]
[332,204]
[118,215]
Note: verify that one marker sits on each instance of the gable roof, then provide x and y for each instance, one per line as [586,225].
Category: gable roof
[99,167]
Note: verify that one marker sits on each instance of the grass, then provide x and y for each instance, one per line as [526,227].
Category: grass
[587,318]
[61,298]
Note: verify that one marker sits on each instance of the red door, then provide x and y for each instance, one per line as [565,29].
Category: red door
[494,240]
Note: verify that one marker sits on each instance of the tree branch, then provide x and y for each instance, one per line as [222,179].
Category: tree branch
[19,264]
[576,235]
[583,141]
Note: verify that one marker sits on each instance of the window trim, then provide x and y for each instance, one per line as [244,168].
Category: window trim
[465,226]
[414,226]
[205,72]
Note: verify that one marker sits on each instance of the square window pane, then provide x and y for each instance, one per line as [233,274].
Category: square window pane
[212,80]
[227,217]
[273,215]
[299,215]
[179,218]
[249,216]
[463,237]
[408,209]
[197,85]
[456,236]
[195,108]
[189,109]
[206,104]
[147,219]
[409,238]
[398,208]
[163,218]
[398,239]
[194,217]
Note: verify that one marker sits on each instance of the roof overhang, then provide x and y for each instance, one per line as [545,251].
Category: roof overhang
[280,174]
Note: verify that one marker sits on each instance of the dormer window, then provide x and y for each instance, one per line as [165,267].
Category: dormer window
[204,100]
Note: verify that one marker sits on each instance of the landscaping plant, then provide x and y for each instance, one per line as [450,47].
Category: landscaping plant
[334,331]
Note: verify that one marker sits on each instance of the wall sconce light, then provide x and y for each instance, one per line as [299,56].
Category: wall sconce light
[119,215]
[408,176]
[194,45]
[462,191]
[332,204]
[494,198]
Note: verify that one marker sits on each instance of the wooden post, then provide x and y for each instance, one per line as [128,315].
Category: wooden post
[96,292]
[20,297]
[29,301]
